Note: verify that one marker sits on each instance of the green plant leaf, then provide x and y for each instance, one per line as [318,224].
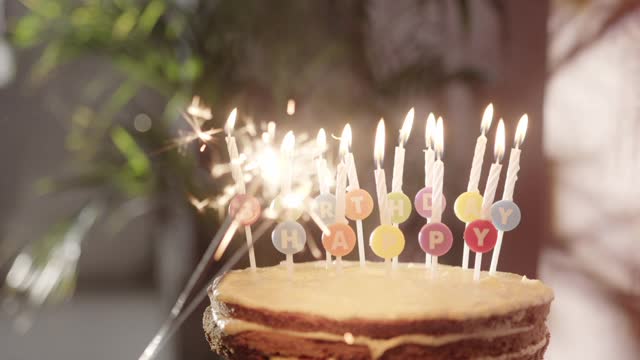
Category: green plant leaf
[150,15]
[137,161]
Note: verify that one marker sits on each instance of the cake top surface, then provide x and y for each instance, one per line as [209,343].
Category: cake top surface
[378,293]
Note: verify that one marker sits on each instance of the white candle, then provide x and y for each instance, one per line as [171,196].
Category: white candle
[354,184]
[510,183]
[236,173]
[381,182]
[429,159]
[341,176]
[398,159]
[438,182]
[490,189]
[476,166]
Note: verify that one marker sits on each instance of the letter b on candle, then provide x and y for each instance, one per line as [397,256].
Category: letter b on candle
[435,239]
[481,236]
[289,237]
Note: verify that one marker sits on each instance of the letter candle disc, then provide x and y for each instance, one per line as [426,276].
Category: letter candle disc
[325,206]
[505,215]
[245,209]
[435,239]
[289,238]
[468,206]
[399,207]
[422,202]
[359,204]
[341,241]
[387,241]
[481,236]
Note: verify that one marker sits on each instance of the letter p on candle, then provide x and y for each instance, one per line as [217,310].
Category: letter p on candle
[435,239]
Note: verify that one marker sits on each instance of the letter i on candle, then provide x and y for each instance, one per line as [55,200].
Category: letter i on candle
[507,214]
[468,204]
[481,235]
[398,204]
[244,208]
[435,237]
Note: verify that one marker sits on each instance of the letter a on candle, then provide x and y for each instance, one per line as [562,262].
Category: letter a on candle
[481,236]
[341,241]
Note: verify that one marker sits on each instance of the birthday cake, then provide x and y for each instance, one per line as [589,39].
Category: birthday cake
[376,312]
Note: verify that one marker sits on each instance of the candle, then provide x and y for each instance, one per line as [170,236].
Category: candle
[236,173]
[381,182]
[510,183]
[476,167]
[358,202]
[325,203]
[398,160]
[289,232]
[341,175]
[398,170]
[429,159]
[438,181]
[483,238]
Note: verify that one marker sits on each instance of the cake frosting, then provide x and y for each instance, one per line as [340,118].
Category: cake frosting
[378,312]
[407,292]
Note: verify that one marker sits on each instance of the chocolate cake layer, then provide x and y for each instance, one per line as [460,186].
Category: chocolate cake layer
[271,313]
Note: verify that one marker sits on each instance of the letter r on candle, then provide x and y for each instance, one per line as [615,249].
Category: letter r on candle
[326,210]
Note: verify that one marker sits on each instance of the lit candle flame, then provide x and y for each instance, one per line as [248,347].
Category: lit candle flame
[406,127]
[487,117]
[429,132]
[378,149]
[521,130]
[231,122]
[321,141]
[439,138]
[288,143]
[291,107]
[345,140]
[498,149]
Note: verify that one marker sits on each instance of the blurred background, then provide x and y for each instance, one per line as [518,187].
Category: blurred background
[103,216]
